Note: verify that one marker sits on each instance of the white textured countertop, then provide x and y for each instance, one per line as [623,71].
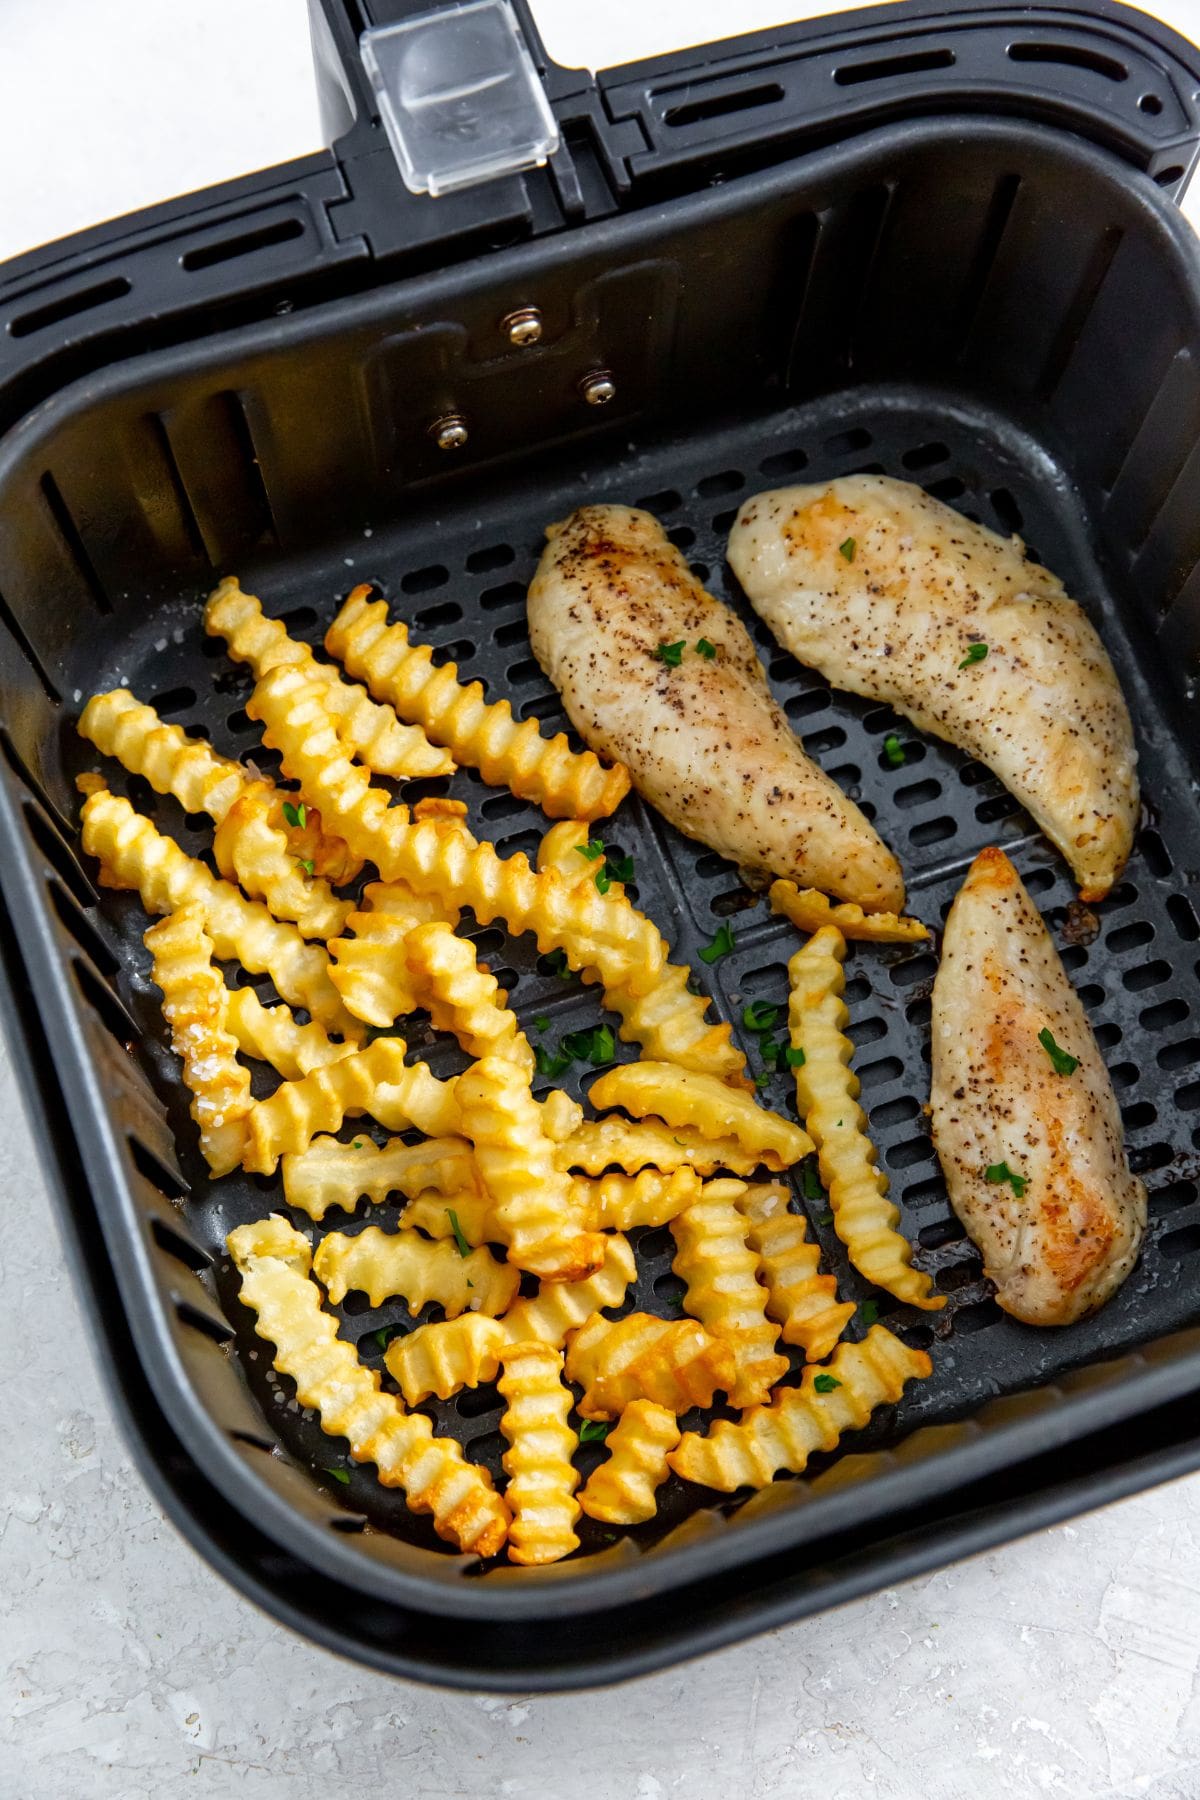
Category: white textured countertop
[1066,1665]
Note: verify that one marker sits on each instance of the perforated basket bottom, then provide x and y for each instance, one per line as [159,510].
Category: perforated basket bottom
[458,571]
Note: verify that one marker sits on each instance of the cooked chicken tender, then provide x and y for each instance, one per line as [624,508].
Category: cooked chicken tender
[895,596]
[1024,1116]
[657,673]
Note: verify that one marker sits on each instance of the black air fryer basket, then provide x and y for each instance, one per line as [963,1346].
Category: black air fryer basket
[936,243]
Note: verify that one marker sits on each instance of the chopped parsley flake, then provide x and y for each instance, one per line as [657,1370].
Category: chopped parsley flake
[554,963]
[760,1015]
[869,1312]
[1064,1063]
[893,751]
[619,867]
[825,1218]
[794,1057]
[595,1045]
[975,653]
[671,654]
[594,1431]
[847,548]
[825,1384]
[810,1179]
[551,1063]
[357,1144]
[593,849]
[464,1249]
[541,1023]
[998,1172]
[762,1078]
[721,945]
[705,649]
[603,880]
[339,1475]
[295,815]
[306,864]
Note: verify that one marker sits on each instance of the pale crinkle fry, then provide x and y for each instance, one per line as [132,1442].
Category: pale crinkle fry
[194,1006]
[319,1101]
[669,1021]
[810,910]
[802,1301]
[802,1420]
[720,1271]
[541,1477]
[435,1361]
[561,1117]
[271,1034]
[437,857]
[253,849]
[370,968]
[863,1217]
[431,1212]
[369,731]
[563,782]
[462,996]
[381,1264]
[274,1262]
[674,1362]
[685,1098]
[622,1491]
[332,1174]
[134,855]
[598,1144]
[533,1203]
[620,1202]
[560,1307]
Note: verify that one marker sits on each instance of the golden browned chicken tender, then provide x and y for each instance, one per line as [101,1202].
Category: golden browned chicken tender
[656,672]
[896,596]
[1024,1116]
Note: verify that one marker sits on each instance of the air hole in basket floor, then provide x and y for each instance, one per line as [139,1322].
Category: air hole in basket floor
[1181,1055]
[174,700]
[207,1324]
[728,481]
[494,556]
[82,930]
[924,456]
[488,1448]
[843,443]
[420,581]
[1182,916]
[152,1169]
[181,1248]
[1164,1015]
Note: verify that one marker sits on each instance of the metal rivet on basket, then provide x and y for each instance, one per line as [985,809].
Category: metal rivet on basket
[524,326]
[598,388]
[449,432]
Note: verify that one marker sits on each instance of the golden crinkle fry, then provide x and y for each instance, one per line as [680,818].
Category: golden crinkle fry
[134,855]
[620,1202]
[319,1101]
[448,1212]
[802,1420]
[329,1173]
[674,1362]
[863,1217]
[271,1035]
[560,1307]
[686,1099]
[622,1491]
[435,1361]
[371,732]
[599,1144]
[462,996]
[252,847]
[810,910]
[802,1301]
[274,1262]
[669,1020]
[533,1203]
[370,967]
[541,1477]
[563,782]
[194,1006]
[720,1271]
[381,1264]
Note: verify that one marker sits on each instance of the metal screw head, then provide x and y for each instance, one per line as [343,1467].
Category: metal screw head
[598,388]
[449,432]
[524,326]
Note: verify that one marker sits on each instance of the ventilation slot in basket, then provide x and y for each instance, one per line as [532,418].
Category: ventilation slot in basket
[151,1168]
[1070,56]
[77,922]
[105,1004]
[183,1249]
[69,532]
[17,632]
[58,854]
[245,244]
[719,106]
[70,305]
[915,62]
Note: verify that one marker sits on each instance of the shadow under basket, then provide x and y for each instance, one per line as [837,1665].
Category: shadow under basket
[997,310]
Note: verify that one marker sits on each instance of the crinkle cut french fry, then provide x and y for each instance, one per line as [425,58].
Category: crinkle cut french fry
[560,1307]
[533,1204]
[329,1173]
[802,1420]
[622,1491]
[369,731]
[599,1144]
[563,782]
[271,1034]
[370,968]
[437,1213]
[802,1301]
[274,1261]
[541,1477]
[254,850]
[381,1264]
[462,996]
[621,1202]
[827,1092]
[720,1271]
[194,1006]
[685,1098]
[810,910]
[319,1101]
[435,1361]
[674,1362]
[669,1021]
[437,857]
[134,855]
